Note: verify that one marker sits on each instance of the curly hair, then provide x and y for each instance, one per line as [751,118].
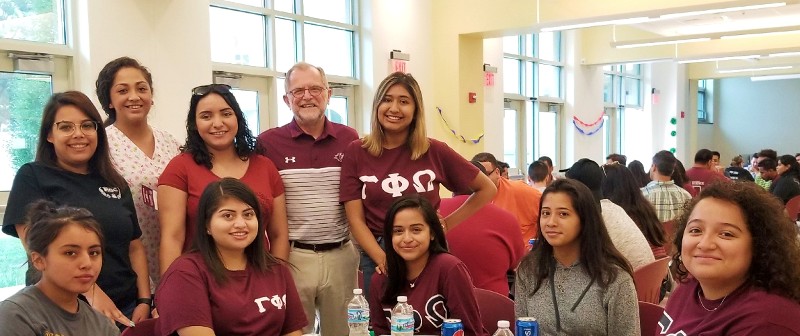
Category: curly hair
[105,80]
[776,248]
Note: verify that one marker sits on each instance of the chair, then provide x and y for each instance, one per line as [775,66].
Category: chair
[793,207]
[669,233]
[143,328]
[648,280]
[493,307]
[649,315]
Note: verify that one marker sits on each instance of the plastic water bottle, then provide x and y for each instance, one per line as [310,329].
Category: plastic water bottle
[358,314]
[503,329]
[402,318]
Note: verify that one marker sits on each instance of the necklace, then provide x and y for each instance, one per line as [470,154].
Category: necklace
[699,298]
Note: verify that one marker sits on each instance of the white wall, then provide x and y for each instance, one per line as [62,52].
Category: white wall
[493,106]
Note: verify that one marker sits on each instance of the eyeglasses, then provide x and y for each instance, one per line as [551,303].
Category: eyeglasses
[314,91]
[613,163]
[67,128]
[203,90]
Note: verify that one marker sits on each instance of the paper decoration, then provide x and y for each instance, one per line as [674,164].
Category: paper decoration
[458,136]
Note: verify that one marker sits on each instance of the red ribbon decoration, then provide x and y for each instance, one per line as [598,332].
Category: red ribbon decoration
[603,114]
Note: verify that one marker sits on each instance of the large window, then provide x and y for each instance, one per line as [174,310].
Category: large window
[622,94]
[622,85]
[532,65]
[33,20]
[704,89]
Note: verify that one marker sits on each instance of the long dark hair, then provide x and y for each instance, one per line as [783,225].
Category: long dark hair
[679,174]
[599,258]
[105,80]
[774,266]
[100,163]
[791,162]
[637,168]
[46,219]
[244,143]
[204,244]
[396,266]
[620,187]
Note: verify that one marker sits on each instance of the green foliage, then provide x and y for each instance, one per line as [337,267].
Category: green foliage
[12,262]
[25,95]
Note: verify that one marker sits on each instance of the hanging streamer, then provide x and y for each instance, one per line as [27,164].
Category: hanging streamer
[459,137]
[602,122]
[599,119]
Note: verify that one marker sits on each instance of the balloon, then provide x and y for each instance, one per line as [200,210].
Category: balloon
[672,150]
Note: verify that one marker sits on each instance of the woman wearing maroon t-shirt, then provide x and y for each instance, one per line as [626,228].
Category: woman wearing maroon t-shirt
[737,264]
[437,284]
[228,284]
[398,159]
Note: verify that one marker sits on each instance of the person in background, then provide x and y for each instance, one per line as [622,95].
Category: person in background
[574,282]
[228,284]
[619,186]
[679,176]
[715,166]
[797,157]
[437,284]
[736,266]
[702,173]
[763,155]
[736,172]
[516,197]
[308,154]
[618,158]
[538,175]
[503,169]
[397,159]
[138,151]
[218,144]
[500,239]
[637,168]
[66,246]
[666,196]
[550,170]
[786,183]
[753,167]
[73,167]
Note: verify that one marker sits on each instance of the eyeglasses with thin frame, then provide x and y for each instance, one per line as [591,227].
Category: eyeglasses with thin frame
[300,92]
[609,164]
[67,128]
[203,90]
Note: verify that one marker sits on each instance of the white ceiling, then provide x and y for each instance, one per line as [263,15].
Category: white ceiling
[725,22]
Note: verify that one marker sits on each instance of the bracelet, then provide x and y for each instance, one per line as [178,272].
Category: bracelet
[147,301]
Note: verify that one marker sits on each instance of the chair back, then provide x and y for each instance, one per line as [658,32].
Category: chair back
[648,280]
[669,233]
[793,207]
[649,315]
[143,328]
[493,307]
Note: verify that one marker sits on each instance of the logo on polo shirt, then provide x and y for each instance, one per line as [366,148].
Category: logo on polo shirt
[339,156]
[110,192]
[287,159]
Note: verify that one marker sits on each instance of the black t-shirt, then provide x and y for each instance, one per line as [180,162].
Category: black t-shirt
[738,174]
[785,187]
[112,208]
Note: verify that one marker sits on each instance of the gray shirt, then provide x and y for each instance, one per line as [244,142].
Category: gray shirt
[610,311]
[30,313]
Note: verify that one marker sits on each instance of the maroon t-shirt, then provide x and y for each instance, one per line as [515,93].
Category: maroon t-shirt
[442,291]
[488,242]
[746,311]
[378,181]
[249,303]
[184,174]
[700,178]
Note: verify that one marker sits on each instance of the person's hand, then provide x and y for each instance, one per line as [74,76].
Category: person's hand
[102,303]
[141,312]
[381,268]
[154,313]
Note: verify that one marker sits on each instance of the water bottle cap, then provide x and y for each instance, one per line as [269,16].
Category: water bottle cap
[357,291]
[402,298]
[503,324]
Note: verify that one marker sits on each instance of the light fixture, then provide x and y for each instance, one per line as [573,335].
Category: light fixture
[784,67]
[725,58]
[786,54]
[723,10]
[634,20]
[773,77]
[656,42]
[761,32]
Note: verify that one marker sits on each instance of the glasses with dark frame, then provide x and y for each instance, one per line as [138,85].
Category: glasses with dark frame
[300,92]
[67,128]
[203,90]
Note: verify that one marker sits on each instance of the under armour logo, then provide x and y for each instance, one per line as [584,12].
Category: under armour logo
[339,156]
[290,159]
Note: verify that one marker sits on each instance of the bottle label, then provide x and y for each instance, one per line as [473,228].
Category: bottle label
[357,315]
[402,324]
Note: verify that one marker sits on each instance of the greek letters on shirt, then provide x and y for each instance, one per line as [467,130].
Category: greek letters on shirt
[277,301]
[664,323]
[396,185]
[435,312]
[110,192]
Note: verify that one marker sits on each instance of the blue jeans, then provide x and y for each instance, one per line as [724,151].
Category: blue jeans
[367,266]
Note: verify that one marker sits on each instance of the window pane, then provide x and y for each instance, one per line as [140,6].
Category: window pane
[337,110]
[248,101]
[334,10]
[510,137]
[33,20]
[549,80]
[608,89]
[285,114]
[285,44]
[511,44]
[257,3]
[637,135]
[511,78]
[608,68]
[284,5]
[530,43]
[330,48]
[549,46]
[238,37]
[530,79]
[632,91]
[548,125]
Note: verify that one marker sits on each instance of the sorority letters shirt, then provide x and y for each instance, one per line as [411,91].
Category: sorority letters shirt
[112,208]
[29,312]
[249,303]
[442,291]
[310,169]
[746,311]
[184,174]
[378,181]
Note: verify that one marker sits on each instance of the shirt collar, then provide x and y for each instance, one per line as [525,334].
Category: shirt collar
[295,131]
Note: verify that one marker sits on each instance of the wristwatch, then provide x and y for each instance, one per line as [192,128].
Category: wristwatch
[147,301]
